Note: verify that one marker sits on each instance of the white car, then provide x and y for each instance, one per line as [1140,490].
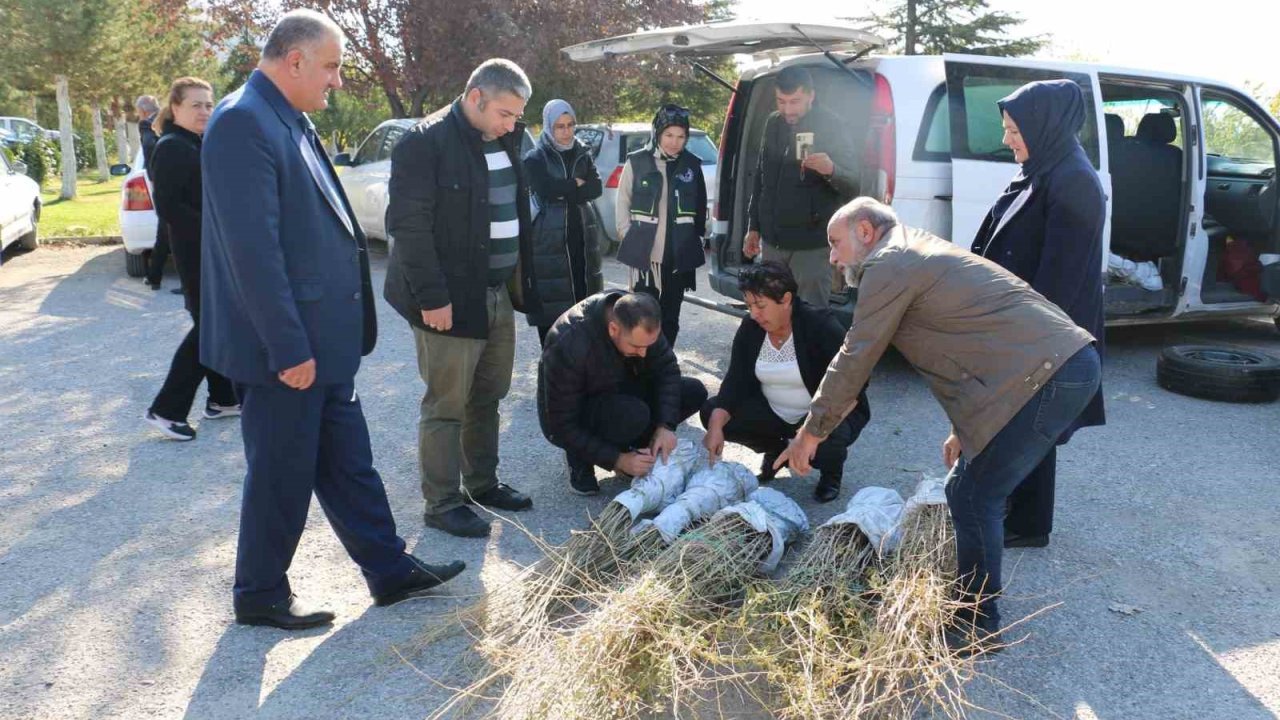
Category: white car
[1187,162]
[611,143]
[366,174]
[137,216]
[19,206]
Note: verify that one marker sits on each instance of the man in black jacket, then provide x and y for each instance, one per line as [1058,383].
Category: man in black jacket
[609,389]
[807,169]
[459,213]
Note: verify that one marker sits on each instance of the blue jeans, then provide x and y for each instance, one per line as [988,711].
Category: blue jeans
[978,486]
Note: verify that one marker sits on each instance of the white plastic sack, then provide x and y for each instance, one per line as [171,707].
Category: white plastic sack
[706,491]
[929,491]
[768,510]
[877,512]
[663,484]
[1145,275]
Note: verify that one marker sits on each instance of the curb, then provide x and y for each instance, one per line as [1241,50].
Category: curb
[86,240]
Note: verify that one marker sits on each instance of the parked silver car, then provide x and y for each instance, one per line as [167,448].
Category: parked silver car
[24,129]
[611,143]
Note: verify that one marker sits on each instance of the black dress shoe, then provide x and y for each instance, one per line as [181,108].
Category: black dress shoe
[502,497]
[767,472]
[176,291]
[1014,540]
[582,480]
[828,488]
[422,578]
[288,614]
[460,521]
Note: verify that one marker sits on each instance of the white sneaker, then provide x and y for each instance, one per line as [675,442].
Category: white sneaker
[173,430]
[213,410]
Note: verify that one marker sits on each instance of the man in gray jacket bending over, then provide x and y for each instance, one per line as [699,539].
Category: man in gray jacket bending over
[1009,367]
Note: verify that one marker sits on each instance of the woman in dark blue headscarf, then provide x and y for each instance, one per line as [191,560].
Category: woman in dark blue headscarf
[566,250]
[1046,228]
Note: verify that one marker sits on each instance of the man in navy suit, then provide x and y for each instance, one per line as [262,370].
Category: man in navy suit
[288,312]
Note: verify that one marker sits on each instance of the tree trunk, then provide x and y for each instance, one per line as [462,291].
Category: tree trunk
[912,29]
[135,140]
[100,143]
[68,146]
[122,137]
[32,115]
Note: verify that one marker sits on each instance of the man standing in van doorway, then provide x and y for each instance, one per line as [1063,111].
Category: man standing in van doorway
[807,168]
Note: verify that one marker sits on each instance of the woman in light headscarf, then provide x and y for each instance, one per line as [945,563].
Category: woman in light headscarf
[1046,228]
[566,256]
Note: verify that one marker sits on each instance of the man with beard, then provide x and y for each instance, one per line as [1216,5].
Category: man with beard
[806,169]
[1011,370]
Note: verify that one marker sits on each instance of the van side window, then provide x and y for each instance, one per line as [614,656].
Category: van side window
[1231,132]
[976,124]
[934,141]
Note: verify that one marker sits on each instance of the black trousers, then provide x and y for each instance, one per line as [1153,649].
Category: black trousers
[159,254]
[625,419]
[755,425]
[174,400]
[671,298]
[1031,503]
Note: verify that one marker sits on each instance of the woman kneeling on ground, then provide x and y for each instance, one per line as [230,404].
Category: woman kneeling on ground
[779,357]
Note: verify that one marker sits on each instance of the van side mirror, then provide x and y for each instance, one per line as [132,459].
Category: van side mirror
[19,167]
[120,170]
[342,160]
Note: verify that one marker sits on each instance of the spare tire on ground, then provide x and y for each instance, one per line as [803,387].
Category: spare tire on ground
[1219,372]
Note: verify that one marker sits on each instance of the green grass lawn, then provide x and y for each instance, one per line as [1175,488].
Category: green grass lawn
[94,212]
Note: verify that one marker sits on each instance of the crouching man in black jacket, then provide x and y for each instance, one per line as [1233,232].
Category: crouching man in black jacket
[609,389]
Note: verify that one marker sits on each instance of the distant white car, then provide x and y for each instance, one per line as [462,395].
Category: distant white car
[137,215]
[610,144]
[366,174]
[24,129]
[19,205]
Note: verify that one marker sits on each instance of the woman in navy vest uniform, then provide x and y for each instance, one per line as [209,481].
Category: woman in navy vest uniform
[662,216]
[566,243]
[1046,228]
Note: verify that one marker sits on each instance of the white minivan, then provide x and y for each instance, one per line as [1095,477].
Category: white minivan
[1187,162]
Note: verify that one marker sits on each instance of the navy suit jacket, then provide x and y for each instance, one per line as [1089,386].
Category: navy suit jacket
[284,278]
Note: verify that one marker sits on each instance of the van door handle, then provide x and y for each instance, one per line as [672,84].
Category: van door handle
[1224,186]
[942,197]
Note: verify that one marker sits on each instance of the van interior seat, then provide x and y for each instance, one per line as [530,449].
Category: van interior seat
[1115,129]
[1146,181]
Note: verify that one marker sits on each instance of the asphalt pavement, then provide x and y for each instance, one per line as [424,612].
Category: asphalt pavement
[1162,583]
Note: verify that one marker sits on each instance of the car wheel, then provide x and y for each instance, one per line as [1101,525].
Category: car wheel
[135,265]
[31,240]
[1219,373]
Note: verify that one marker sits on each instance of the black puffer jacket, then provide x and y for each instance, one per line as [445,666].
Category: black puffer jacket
[566,254]
[579,361]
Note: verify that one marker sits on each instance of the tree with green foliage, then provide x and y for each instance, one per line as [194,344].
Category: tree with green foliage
[933,27]
[59,43]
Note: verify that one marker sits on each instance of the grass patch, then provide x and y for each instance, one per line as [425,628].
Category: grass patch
[94,212]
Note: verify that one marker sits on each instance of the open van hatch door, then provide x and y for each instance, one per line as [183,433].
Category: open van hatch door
[731,37]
